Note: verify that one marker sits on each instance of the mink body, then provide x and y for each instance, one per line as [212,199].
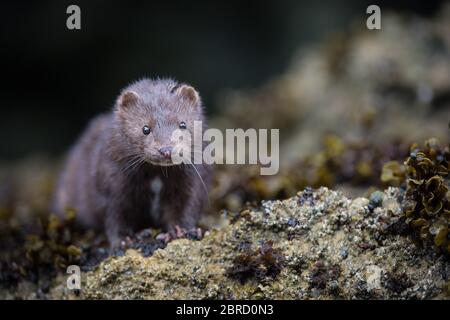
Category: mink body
[119,178]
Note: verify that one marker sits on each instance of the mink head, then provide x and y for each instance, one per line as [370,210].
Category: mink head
[150,114]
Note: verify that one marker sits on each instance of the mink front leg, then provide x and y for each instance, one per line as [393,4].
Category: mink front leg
[197,200]
[115,226]
[182,215]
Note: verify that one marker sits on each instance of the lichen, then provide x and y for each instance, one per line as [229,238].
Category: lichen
[427,205]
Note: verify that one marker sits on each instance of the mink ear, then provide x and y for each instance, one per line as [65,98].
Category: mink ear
[189,93]
[127,99]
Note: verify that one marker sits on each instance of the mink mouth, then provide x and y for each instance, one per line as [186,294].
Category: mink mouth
[162,163]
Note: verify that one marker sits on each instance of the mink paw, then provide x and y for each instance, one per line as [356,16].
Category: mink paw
[177,233]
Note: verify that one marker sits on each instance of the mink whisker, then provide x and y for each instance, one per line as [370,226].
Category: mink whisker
[201,180]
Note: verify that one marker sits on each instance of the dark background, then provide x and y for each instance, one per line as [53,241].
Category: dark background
[54,79]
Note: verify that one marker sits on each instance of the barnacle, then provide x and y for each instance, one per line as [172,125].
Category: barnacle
[376,199]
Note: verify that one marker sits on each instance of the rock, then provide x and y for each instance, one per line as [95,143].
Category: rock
[319,259]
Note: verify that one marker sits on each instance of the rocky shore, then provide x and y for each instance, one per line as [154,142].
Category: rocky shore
[316,245]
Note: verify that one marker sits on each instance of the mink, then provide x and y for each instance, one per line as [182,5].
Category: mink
[119,176]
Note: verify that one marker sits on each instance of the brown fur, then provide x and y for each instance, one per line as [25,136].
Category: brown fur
[110,173]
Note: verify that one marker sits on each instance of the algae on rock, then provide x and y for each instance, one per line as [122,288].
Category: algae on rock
[332,247]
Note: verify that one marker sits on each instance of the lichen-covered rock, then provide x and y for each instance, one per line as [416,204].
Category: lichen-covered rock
[318,244]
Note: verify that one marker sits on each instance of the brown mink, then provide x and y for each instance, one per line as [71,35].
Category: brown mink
[119,176]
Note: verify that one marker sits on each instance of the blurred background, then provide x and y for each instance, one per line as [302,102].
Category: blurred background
[55,80]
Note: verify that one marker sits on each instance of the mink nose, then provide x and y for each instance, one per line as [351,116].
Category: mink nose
[166,152]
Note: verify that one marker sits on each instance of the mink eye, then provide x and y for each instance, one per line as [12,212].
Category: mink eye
[182,125]
[146,130]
